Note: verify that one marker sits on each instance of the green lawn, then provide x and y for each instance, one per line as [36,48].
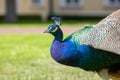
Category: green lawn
[27,57]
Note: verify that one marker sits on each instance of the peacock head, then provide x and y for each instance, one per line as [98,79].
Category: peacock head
[52,29]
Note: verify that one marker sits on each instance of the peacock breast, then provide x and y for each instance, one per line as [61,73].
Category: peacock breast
[65,53]
[55,51]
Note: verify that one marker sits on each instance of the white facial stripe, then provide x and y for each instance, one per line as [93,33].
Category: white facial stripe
[55,29]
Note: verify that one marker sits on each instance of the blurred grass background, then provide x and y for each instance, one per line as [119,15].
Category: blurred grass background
[27,56]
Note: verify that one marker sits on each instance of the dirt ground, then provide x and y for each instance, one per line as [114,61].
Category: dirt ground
[37,30]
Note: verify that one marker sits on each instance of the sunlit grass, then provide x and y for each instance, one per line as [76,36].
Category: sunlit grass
[27,57]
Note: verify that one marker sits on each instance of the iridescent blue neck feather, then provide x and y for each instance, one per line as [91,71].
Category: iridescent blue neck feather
[58,35]
[59,49]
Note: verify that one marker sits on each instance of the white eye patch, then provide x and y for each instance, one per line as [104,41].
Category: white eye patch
[55,29]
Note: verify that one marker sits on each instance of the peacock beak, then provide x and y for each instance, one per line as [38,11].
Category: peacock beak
[46,31]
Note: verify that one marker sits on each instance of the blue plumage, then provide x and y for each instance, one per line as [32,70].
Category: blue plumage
[57,20]
[70,52]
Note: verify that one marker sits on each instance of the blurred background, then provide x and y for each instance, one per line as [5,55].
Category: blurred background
[25,50]
[16,10]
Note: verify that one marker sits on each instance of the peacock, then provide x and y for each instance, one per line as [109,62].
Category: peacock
[92,48]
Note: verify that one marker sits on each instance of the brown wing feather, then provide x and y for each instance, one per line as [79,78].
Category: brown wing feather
[115,76]
[106,34]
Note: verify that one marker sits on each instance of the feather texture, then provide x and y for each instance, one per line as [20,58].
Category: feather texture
[106,34]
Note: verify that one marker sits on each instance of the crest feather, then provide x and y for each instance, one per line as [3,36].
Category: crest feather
[57,20]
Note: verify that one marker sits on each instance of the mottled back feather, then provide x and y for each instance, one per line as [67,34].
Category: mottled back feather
[106,34]
[80,34]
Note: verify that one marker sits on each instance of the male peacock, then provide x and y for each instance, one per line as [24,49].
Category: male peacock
[91,48]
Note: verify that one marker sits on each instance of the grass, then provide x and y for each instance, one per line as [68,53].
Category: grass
[27,57]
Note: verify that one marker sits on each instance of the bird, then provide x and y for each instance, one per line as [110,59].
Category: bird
[92,48]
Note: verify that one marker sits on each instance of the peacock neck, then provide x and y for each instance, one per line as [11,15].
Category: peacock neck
[58,35]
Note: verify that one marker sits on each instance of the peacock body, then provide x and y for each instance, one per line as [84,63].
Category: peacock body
[70,52]
[74,51]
